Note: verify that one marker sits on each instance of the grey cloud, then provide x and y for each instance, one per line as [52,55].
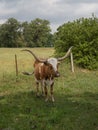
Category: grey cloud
[77,1]
[56,11]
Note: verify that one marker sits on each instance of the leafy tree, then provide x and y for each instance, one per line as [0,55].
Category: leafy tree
[83,35]
[26,31]
[33,34]
[49,41]
[10,34]
[40,31]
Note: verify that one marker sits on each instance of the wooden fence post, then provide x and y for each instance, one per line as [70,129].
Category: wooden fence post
[16,65]
[72,64]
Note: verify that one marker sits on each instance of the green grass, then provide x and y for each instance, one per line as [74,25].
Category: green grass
[76,96]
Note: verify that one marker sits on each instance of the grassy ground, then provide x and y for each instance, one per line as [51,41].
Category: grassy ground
[76,95]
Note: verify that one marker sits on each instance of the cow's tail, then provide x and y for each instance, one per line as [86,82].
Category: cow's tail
[27,73]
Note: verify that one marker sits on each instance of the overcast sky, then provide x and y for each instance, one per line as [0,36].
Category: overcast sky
[56,11]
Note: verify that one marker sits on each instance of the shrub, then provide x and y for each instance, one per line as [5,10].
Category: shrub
[83,35]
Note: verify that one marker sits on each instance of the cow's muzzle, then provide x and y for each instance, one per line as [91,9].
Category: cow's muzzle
[57,74]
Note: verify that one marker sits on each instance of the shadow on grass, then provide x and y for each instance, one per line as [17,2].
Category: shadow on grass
[24,111]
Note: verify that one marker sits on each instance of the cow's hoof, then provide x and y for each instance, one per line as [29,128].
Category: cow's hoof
[46,99]
[37,95]
[53,99]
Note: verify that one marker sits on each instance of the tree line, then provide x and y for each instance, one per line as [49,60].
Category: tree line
[37,33]
[81,33]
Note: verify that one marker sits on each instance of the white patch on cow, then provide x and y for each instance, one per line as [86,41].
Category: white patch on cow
[42,64]
[40,67]
[53,62]
[49,82]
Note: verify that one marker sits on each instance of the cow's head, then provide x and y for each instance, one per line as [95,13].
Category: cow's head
[51,62]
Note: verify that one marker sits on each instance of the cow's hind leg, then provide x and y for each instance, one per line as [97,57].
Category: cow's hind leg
[51,92]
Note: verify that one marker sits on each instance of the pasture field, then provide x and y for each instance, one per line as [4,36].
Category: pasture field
[76,96]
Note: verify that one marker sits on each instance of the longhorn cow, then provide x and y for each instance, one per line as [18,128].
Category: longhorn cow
[45,70]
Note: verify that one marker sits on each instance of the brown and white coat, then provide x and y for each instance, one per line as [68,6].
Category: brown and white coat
[45,70]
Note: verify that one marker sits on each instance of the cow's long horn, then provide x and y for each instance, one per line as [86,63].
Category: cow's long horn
[66,55]
[43,61]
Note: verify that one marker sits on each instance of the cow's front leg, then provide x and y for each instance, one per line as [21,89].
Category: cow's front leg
[37,89]
[51,91]
[42,88]
[46,92]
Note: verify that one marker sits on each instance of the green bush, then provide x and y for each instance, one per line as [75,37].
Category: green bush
[83,35]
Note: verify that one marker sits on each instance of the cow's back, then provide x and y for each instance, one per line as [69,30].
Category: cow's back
[43,71]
